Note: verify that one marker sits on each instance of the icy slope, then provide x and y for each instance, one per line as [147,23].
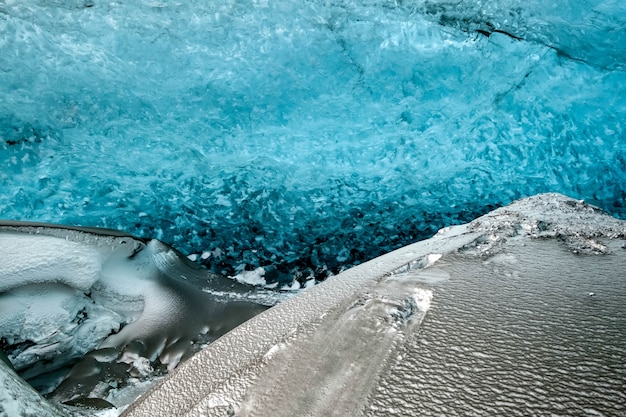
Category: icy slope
[17,398]
[305,136]
[67,292]
[519,312]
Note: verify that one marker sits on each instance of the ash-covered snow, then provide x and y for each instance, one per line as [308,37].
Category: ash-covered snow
[305,136]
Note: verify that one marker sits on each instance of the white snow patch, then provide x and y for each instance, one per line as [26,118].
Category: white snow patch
[432,258]
[273,350]
[255,277]
[28,259]
[422,298]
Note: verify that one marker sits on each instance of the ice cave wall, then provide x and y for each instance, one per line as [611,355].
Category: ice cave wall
[305,136]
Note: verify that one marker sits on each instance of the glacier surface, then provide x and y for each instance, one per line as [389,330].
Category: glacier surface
[517,313]
[305,136]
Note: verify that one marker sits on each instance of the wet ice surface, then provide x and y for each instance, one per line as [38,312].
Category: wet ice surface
[516,334]
[346,353]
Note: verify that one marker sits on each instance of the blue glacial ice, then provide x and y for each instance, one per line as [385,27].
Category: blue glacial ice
[305,136]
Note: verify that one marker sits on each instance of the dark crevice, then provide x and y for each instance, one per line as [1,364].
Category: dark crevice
[488,33]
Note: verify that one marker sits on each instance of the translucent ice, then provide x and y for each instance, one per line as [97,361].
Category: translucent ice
[305,136]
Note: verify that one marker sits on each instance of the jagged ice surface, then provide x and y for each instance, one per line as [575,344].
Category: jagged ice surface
[307,135]
[88,312]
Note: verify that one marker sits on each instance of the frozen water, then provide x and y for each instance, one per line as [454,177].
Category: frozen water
[65,292]
[305,136]
[17,398]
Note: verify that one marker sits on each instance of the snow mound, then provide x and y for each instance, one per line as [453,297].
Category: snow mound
[67,291]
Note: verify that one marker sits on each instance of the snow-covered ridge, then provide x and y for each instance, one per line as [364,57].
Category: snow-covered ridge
[580,226]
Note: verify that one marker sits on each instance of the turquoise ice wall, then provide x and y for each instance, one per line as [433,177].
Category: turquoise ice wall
[305,136]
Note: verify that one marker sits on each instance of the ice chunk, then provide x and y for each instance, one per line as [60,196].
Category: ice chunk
[252,277]
[66,291]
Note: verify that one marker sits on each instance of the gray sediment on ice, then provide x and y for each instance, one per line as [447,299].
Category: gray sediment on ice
[518,312]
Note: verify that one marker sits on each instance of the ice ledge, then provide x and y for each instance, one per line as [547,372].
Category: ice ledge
[351,320]
[579,225]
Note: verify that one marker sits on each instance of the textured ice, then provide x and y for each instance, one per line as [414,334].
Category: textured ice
[506,328]
[17,398]
[106,305]
[282,140]
[305,136]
